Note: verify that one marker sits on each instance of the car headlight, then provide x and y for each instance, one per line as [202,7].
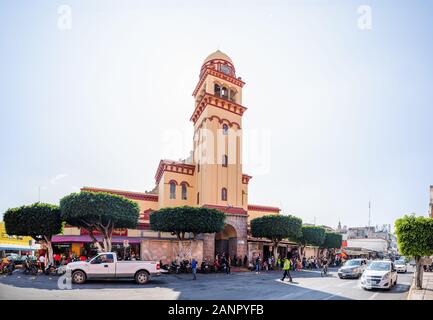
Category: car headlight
[386,276]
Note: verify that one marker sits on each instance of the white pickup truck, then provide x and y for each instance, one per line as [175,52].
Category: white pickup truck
[106,266]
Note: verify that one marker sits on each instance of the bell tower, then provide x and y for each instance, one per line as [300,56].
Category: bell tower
[217,119]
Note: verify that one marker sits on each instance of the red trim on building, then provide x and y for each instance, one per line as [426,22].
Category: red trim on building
[217,74]
[254,207]
[218,102]
[173,166]
[226,209]
[126,194]
[246,178]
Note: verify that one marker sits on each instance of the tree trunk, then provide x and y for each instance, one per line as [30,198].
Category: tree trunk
[50,258]
[275,249]
[95,241]
[418,273]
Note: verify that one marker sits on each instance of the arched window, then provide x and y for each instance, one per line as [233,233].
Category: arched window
[172,190]
[217,90]
[225,160]
[224,194]
[225,129]
[224,93]
[232,95]
[184,192]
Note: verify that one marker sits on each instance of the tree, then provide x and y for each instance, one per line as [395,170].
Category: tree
[99,212]
[415,239]
[181,220]
[311,235]
[276,228]
[40,221]
[332,241]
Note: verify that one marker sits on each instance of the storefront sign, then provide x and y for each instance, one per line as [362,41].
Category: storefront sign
[116,232]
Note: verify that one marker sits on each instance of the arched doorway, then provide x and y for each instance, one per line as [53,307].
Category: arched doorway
[226,241]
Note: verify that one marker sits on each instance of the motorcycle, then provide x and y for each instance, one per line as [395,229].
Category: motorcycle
[185,267]
[174,268]
[50,269]
[8,268]
[205,267]
[30,267]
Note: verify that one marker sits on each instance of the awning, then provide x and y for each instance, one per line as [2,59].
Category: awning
[87,239]
[17,247]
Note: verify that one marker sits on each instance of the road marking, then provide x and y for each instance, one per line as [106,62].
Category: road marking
[332,295]
[373,296]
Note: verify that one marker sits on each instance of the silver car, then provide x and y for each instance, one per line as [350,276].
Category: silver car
[352,269]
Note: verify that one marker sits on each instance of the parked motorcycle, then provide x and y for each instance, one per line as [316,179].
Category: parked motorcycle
[8,268]
[174,268]
[205,267]
[185,267]
[51,269]
[30,267]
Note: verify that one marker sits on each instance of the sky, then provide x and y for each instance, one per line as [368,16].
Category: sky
[339,97]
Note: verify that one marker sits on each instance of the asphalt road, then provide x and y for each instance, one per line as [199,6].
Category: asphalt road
[307,285]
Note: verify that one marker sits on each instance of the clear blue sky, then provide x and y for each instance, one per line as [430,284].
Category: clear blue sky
[348,111]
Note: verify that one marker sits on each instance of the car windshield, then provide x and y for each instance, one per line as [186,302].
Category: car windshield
[399,262]
[353,263]
[379,266]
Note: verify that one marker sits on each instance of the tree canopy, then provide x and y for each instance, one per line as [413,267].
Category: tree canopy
[415,236]
[38,220]
[276,227]
[99,211]
[186,219]
[312,235]
[332,240]
[415,239]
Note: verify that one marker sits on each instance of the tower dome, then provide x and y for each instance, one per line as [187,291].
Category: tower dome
[218,55]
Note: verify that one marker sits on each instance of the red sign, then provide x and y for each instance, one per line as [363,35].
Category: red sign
[116,232]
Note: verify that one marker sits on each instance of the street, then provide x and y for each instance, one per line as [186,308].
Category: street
[307,285]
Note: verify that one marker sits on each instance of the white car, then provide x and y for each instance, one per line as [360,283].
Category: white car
[400,266]
[379,274]
[106,266]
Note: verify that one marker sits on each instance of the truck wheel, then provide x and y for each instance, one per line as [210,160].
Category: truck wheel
[78,277]
[142,277]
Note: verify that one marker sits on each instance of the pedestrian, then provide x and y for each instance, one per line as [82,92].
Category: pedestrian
[286,268]
[42,262]
[194,269]
[279,263]
[228,265]
[258,264]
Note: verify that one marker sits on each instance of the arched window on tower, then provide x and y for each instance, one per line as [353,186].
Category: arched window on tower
[184,191]
[225,160]
[224,194]
[172,190]
[225,129]
[217,90]
[224,93]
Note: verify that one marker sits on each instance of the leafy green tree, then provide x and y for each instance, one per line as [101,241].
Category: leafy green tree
[332,241]
[186,219]
[99,211]
[40,221]
[312,236]
[181,220]
[276,228]
[415,239]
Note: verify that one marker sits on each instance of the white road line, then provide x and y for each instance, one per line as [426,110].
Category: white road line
[373,296]
[332,295]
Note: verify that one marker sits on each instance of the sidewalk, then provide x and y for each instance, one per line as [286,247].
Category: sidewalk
[426,293]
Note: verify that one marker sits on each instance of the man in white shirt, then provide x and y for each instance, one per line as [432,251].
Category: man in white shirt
[42,262]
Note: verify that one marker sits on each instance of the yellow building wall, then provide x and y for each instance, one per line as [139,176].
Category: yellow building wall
[252,214]
[6,239]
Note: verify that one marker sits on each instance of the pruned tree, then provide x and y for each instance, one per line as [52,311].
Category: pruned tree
[186,219]
[99,212]
[332,241]
[312,236]
[40,221]
[276,228]
[415,239]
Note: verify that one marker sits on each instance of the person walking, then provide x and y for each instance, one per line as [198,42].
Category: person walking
[228,265]
[258,264]
[286,268]
[194,269]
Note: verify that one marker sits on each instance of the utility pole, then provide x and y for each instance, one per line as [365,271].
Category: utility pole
[39,194]
[369,217]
